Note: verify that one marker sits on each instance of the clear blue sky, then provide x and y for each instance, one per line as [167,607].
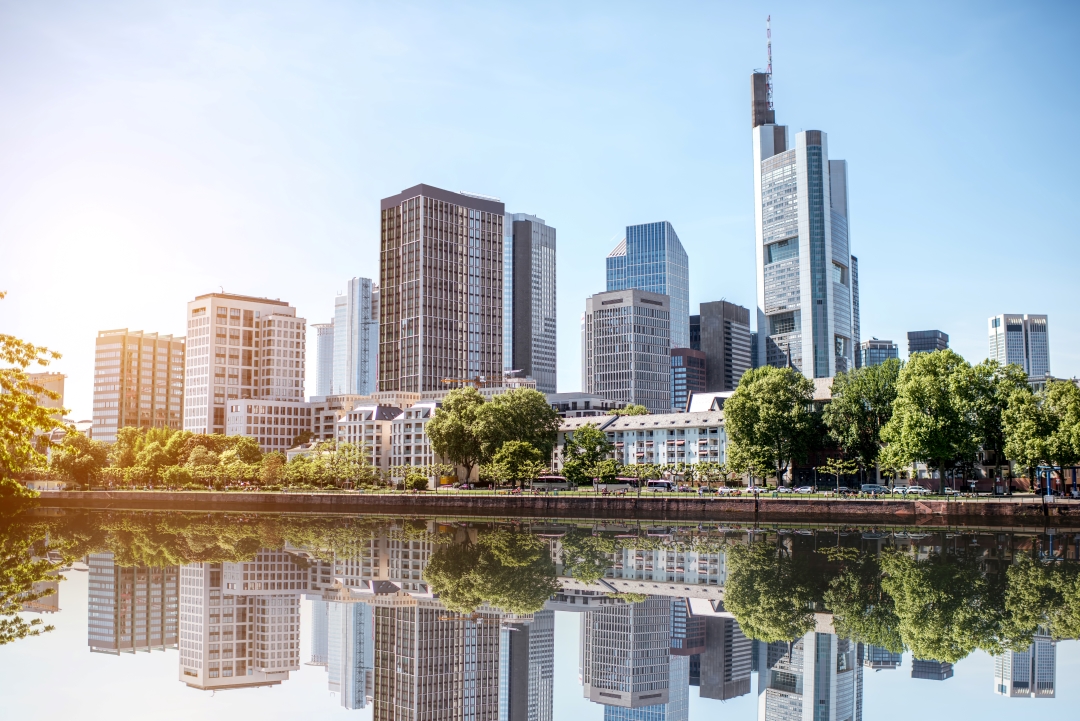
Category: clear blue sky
[150,151]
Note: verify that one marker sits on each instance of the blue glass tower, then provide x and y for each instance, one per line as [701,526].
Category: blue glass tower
[652,258]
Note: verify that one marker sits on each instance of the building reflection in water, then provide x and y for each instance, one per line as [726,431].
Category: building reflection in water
[817,676]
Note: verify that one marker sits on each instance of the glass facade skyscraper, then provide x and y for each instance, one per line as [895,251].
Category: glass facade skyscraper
[1023,340]
[529,338]
[651,257]
[806,279]
[356,338]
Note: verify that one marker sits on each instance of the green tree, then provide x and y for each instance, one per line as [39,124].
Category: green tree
[861,405]
[582,451]
[522,415]
[272,466]
[768,419]
[152,458]
[1061,406]
[518,462]
[22,416]
[1026,430]
[933,418]
[993,385]
[455,431]
[19,571]
[945,605]
[767,592]
[862,611]
[631,409]
[176,477]
[585,556]
[511,570]
[79,458]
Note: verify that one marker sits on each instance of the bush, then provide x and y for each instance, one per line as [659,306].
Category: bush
[416,483]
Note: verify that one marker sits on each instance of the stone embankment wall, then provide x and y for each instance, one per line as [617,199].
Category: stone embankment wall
[1028,511]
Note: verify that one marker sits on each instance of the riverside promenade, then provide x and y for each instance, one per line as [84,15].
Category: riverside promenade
[1023,511]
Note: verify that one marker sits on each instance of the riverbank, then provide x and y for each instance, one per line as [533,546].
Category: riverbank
[1005,511]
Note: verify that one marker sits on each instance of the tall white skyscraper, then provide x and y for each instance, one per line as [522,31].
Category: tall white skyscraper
[324,358]
[351,652]
[626,654]
[529,337]
[1031,673]
[356,338]
[815,677]
[241,349]
[1021,339]
[805,313]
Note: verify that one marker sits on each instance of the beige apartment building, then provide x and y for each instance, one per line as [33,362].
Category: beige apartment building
[441,289]
[138,381]
[244,348]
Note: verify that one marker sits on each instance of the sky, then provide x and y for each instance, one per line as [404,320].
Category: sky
[151,151]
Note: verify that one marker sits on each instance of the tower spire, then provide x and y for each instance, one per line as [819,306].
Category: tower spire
[768,69]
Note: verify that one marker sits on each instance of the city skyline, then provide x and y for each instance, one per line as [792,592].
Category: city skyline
[224,170]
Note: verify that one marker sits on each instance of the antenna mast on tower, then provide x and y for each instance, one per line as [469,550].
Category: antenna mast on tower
[768,69]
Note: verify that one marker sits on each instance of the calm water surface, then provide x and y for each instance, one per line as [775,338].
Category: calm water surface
[179,615]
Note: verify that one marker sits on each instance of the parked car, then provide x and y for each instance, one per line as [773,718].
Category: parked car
[805,489]
[783,489]
[843,491]
[874,488]
[725,490]
[917,490]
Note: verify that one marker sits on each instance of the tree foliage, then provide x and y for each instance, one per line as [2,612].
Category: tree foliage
[521,415]
[862,610]
[583,450]
[768,420]
[630,409]
[79,458]
[861,405]
[768,593]
[517,462]
[993,385]
[454,430]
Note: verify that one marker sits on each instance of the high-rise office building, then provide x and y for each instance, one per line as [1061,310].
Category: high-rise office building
[351,652]
[356,338]
[816,676]
[1031,673]
[527,668]
[874,352]
[138,381]
[1022,340]
[441,285]
[324,358]
[626,653]
[240,348]
[856,326]
[931,670]
[687,375]
[529,299]
[725,662]
[878,658]
[677,707]
[687,630]
[695,332]
[130,608]
[652,258]
[627,348]
[320,633]
[926,341]
[240,622]
[805,299]
[725,340]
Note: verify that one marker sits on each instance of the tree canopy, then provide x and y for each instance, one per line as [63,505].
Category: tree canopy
[630,409]
[583,450]
[768,593]
[861,405]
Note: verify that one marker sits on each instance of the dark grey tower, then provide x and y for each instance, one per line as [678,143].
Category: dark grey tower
[725,340]
[533,300]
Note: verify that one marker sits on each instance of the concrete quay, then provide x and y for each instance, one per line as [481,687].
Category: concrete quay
[1006,511]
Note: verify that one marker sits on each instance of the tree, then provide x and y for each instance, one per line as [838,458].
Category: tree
[272,468]
[993,385]
[79,458]
[301,438]
[509,569]
[22,417]
[454,430]
[631,409]
[522,414]
[152,458]
[518,462]
[933,418]
[1061,406]
[177,477]
[838,468]
[861,405]
[583,449]
[768,419]
[766,592]
[862,611]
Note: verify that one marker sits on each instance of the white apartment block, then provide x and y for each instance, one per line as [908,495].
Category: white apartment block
[138,381]
[409,445]
[369,427]
[240,622]
[659,438]
[274,425]
[1023,340]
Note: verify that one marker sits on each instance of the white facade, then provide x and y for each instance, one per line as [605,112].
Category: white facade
[241,348]
[409,444]
[370,427]
[356,338]
[657,438]
[626,653]
[351,652]
[805,301]
[324,358]
[813,677]
[1028,674]
[1023,340]
[274,425]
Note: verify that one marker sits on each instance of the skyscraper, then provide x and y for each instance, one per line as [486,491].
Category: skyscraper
[816,676]
[931,670]
[627,348]
[874,352]
[241,348]
[324,358]
[130,608]
[138,381]
[805,282]
[1030,673]
[687,375]
[529,298]
[725,662]
[725,340]
[926,341]
[351,652]
[626,654]
[652,258]
[356,338]
[879,658]
[1023,340]
[526,669]
[441,286]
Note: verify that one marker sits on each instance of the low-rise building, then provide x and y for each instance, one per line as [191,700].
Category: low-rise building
[409,445]
[582,405]
[273,424]
[669,438]
[369,426]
